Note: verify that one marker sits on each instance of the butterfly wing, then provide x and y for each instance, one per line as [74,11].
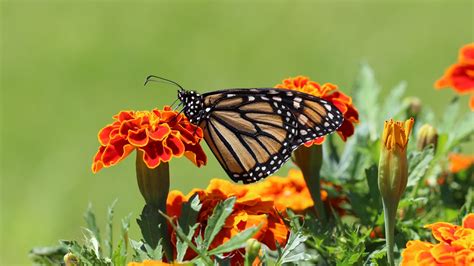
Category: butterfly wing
[252,132]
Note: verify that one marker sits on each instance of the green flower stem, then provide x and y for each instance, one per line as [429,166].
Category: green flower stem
[390,213]
[154,186]
[310,160]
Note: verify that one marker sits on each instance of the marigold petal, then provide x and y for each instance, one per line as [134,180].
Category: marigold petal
[130,125]
[174,202]
[105,134]
[159,133]
[412,251]
[346,130]
[176,145]
[124,116]
[442,231]
[97,163]
[468,221]
[138,138]
[195,154]
[466,54]
[443,253]
[154,153]
[116,151]
[459,77]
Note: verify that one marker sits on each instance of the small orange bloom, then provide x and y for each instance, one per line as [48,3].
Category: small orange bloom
[330,93]
[460,76]
[292,192]
[459,162]
[160,134]
[456,246]
[249,210]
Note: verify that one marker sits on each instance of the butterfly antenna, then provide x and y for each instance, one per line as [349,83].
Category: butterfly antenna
[152,77]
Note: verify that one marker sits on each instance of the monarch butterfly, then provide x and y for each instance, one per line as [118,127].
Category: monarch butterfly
[252,132]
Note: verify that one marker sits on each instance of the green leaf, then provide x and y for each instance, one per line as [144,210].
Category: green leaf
[366,92]
[412,201]
[371,175]
[189,213]
[181,246]
[392,106]
[140,254]
[149,223]
[462,131]
[217,220]
[236,242]
[451,112]
[108,242]
[295,240]
[419,162]
[91,223]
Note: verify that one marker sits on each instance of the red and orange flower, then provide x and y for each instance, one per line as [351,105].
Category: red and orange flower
[159,134]
[455,247]
[460,76]
[291,192]
[250,209]
[330,93]
[459,162]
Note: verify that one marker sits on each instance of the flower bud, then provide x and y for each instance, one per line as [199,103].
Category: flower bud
[71,259]
[413,105]
[252,249]
[426,135]
[393,174]
[393,165]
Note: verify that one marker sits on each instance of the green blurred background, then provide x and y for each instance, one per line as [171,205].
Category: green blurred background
[66,68]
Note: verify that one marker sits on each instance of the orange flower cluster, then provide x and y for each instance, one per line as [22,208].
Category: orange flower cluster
[328,92]
[292,192]
[160,134]
[460,76]
[249,210]
[456,246]
[459,162]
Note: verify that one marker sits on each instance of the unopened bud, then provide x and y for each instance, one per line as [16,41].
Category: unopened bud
[393,174]
[426,135]
[413,105]
[252,249]
[71,259]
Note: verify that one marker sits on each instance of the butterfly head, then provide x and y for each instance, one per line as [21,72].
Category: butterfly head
[193,104]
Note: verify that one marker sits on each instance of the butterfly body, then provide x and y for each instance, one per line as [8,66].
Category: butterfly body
[252,132]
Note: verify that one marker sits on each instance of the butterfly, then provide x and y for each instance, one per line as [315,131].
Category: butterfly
[252,132]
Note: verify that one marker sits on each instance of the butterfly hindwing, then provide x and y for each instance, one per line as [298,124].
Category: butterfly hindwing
[252,132]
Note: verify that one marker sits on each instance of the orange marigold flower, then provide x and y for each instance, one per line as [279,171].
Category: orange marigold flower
[160,134]
[456,246]
[250,210]
[459,162]
[460,76]
[330,93]
[292,192]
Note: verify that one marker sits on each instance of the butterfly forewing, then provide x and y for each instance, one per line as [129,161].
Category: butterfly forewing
[252,132]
